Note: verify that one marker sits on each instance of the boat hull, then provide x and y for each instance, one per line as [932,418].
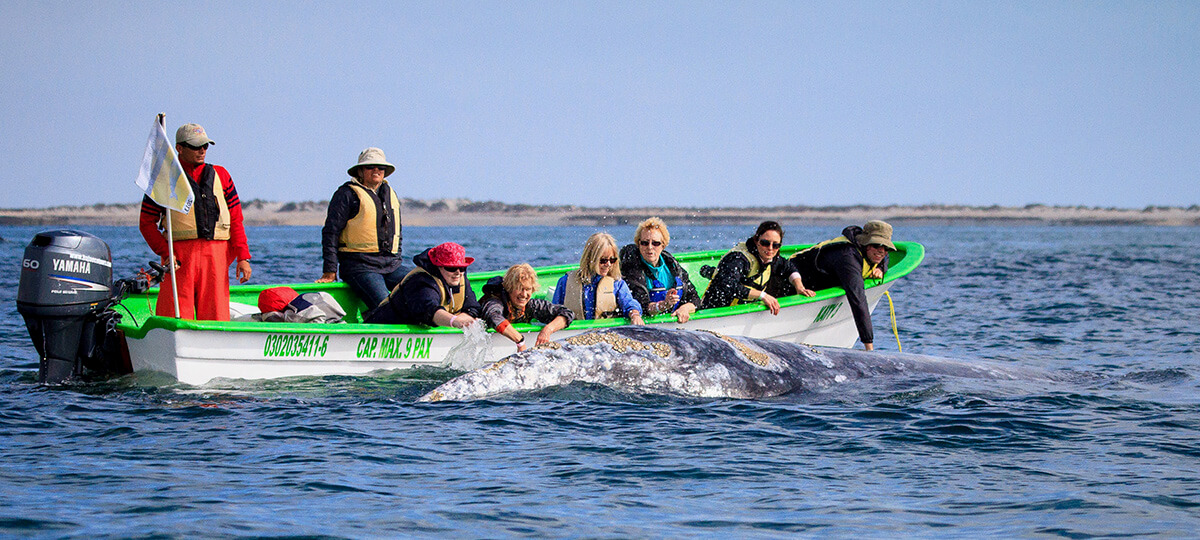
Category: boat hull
[197,352]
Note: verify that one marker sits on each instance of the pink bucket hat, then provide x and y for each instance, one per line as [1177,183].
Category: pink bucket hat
[450,254]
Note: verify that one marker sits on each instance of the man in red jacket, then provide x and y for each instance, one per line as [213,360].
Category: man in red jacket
[207,240]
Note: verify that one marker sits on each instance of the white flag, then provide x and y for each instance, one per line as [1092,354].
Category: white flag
[161,175]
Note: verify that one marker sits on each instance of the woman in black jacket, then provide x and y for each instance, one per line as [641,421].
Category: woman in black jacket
[509,299]
[753,270]
[655,279]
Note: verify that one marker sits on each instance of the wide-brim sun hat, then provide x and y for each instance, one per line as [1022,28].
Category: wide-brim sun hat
[450,254]
[372,156]
[876,232]
[192,134]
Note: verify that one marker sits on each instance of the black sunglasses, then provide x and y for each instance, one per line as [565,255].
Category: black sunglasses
[375,168]
[455,269]
[190,147]
[605,260]
[649,242]
[769,244]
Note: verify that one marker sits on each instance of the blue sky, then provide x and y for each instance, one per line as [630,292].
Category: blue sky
[622,104]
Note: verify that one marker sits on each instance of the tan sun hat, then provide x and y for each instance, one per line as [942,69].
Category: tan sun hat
[876,232]
[192,134]
[373,156]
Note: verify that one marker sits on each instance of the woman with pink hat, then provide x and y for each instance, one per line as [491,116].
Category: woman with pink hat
[435,293]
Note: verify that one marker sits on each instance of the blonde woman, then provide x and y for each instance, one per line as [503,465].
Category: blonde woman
[596,290]
[509,299]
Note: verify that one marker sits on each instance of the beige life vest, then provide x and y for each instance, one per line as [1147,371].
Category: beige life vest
[759,274]
[606,299]
[361,234]
[183,226]
[866,269]
[452,302]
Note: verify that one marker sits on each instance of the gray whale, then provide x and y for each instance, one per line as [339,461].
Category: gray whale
[649,360]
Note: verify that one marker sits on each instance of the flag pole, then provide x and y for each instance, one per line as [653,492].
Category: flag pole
[170,241]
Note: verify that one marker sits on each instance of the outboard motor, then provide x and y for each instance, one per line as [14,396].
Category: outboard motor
[65,291]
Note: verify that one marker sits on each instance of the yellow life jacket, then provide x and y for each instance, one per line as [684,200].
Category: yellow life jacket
[606,299]
[184,227]
[362,232]
[452,302]
[866,269]
[759,273]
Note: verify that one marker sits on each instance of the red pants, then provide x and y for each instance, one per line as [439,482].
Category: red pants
[203,280]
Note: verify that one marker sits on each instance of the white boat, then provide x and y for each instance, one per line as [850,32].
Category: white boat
[196,352]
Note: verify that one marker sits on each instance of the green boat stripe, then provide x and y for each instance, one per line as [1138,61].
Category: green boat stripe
[137,307]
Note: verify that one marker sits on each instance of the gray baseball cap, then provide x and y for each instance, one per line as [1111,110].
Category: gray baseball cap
[192,134]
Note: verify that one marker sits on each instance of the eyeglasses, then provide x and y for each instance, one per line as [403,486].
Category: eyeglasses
[655,243]
[455,269]
[190,147]
[769,244]
[374,167]
[605,260]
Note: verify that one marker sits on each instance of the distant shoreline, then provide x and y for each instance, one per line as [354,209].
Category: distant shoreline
[460,212]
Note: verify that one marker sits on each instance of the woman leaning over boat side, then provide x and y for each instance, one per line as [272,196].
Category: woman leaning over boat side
[753,270]
[655,279]
[509,299]
[435,293]
[858,254]
[362,231]
[595,290]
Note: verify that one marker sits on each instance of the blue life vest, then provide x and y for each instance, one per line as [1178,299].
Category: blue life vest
[658,292]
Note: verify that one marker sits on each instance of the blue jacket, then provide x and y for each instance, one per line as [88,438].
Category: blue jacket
[625,299]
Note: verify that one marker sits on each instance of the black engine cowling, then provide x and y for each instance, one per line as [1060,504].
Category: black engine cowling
[64,294]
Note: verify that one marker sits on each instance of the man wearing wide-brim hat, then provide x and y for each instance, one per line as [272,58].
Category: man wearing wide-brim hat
[860,253]
[207,239]
[361,237]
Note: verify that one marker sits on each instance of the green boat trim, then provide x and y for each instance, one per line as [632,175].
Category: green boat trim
[138,310]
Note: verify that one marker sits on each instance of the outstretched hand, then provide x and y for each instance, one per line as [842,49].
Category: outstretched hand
[771,302]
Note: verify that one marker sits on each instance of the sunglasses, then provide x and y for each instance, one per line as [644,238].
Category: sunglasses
[605,260]
[769,244]
[375,168]
[190,147]
[655,243]
[455,269]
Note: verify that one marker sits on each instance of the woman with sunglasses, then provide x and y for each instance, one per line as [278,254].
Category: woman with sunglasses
[656,280]
[596,290]
[435,293]
[753,270]
[361,237]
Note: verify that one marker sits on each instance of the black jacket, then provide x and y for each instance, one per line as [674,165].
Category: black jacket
[730,281]
[840,265]
[637,275]
[417,299]
[495,307]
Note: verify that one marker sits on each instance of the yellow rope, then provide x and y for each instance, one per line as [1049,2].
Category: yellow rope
[895,330]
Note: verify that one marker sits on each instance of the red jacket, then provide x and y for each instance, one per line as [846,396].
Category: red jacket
[151,214]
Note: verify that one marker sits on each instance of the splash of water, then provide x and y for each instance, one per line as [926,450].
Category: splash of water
[474,351]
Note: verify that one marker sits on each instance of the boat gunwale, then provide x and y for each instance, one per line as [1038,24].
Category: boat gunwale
[913,255]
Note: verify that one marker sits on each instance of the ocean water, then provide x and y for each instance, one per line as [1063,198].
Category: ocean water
[1113,450]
